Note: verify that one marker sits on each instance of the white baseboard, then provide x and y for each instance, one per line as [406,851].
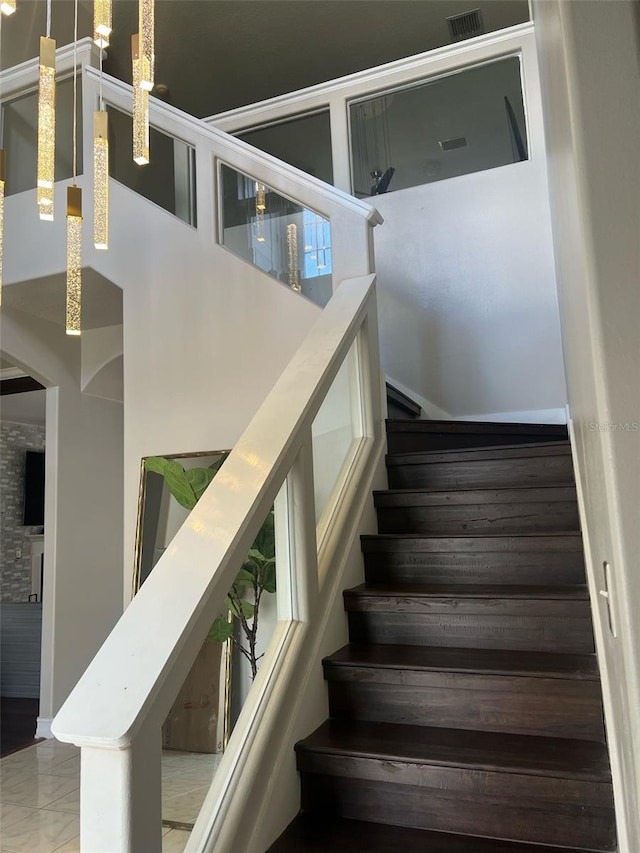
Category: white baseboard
[43,727]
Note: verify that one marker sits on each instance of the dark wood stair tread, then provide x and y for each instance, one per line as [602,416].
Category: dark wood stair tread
[567,540]
[452,497]
[310,833]
[497,752]
[486,591]
[473,454]
[473,661]
[492,427]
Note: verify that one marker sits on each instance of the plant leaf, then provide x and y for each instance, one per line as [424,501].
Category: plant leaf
[221,630]
[199,479]
[175,479]
[269,579]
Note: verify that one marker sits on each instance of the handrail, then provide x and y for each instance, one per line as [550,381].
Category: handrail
[130,685]
[217,536]
[285,178]
[20,78]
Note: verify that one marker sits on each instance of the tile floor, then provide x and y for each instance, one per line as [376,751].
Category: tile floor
[40,797]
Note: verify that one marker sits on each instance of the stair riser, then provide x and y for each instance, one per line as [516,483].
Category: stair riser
[497,473]
[417,442]
[542,568]
[533,706]
[462,801]
[493,518]
[477,630]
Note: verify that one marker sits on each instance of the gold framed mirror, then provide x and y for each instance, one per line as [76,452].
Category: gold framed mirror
[199,718]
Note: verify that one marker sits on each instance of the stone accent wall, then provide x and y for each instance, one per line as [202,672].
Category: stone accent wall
[15,572]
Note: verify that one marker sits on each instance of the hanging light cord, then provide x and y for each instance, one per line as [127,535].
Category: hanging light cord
[75,92]
[48,19]
[100,95]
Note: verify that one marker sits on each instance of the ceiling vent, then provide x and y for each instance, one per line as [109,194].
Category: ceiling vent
[466,26]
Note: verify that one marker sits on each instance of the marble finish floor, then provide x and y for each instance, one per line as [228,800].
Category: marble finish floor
[40,797]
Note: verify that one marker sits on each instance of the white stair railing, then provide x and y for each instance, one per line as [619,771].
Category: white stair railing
[116,711]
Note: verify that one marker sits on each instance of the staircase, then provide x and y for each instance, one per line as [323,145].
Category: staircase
[466,712]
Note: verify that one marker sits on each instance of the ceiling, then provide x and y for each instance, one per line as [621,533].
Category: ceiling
[215,55]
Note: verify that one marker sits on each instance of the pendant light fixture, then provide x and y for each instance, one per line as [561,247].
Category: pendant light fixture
[261,206]
[102,22]
[46,122]
[100,180]
[101,173]
[74,215]
[146,31]
[74,260]
[140,107]
[8,7]
[292,247]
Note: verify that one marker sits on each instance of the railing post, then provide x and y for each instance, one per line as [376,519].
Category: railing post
[340,142]
[370,376]
[121,796]
[298,588]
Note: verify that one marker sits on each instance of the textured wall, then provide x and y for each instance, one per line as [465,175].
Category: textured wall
[15,573]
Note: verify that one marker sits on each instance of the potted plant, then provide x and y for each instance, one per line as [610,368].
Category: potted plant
[258,573]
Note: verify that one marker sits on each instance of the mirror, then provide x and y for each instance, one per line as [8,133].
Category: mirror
[199,718]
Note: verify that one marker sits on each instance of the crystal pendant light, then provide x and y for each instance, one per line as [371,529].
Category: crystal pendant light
[100,180]
[146,27]
[101,22]
[261,206]
[140,107]
[8,7]
[292,247]
[74,214]
[46,127]
[74,259]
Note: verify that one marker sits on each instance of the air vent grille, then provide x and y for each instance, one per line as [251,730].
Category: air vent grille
[466,26]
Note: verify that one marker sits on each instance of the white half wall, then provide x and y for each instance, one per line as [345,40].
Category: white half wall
[590,65]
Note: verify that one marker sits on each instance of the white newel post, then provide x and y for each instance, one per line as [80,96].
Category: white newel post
[304,564]
[296,548]
[121,796]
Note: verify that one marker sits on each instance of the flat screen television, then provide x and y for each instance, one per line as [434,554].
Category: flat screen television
[34,489]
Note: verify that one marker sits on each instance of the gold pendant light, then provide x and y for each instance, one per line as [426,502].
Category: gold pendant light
[74,260]
[8,7]
[100,180]
[292,247]
[261,206]
[46,127]
[140,108]
[101,22]
[146,31]
[74,214]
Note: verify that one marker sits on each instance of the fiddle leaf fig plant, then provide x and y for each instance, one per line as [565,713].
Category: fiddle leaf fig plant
[258,572]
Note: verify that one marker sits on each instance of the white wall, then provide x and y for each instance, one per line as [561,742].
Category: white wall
[590,64]
[83,506]
[468,305]
[205,334]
